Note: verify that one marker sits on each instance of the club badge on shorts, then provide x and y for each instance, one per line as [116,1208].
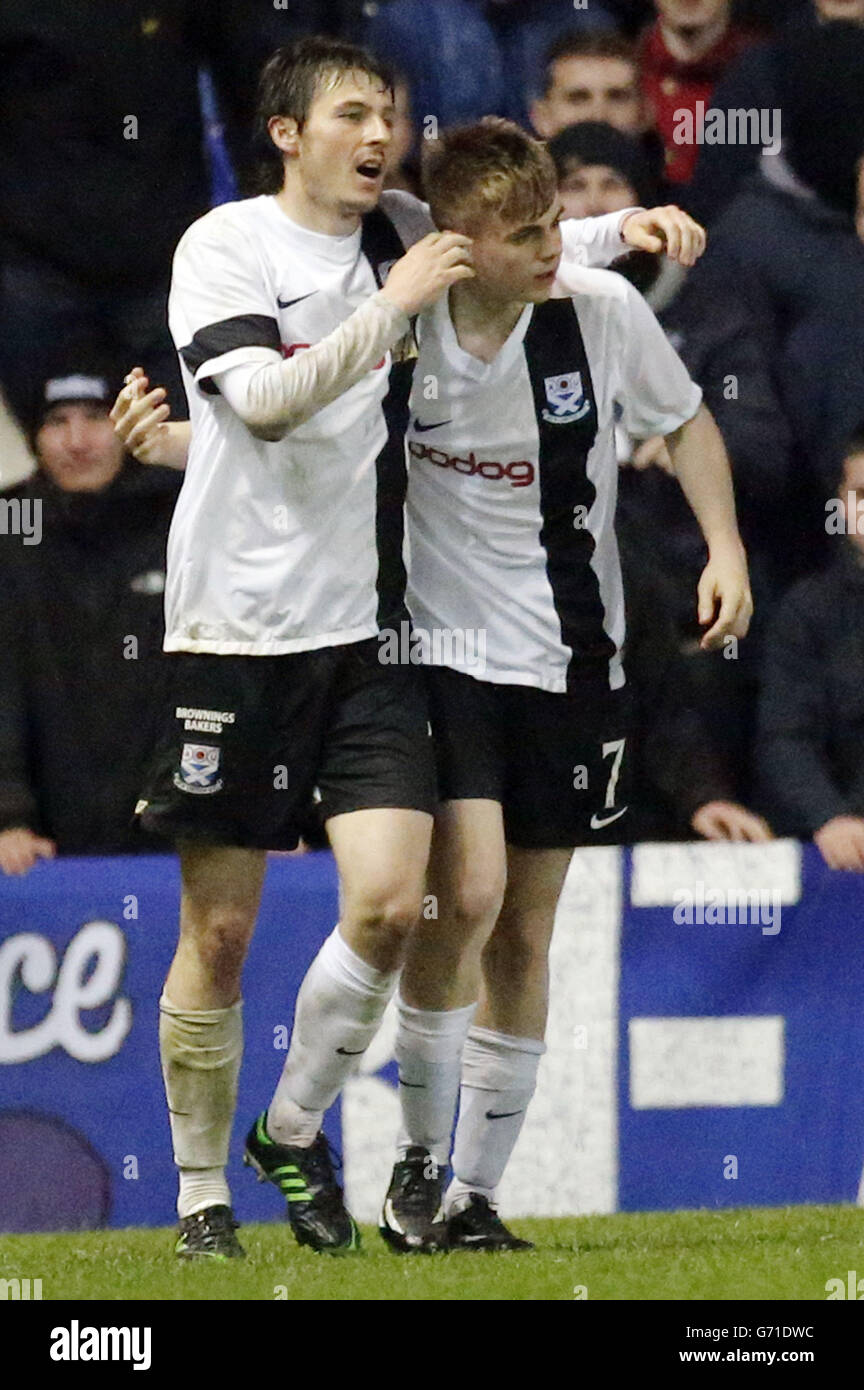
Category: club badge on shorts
[199,769]
[565,396]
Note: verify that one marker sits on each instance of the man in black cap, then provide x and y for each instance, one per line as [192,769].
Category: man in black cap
[82,562]
[601,167]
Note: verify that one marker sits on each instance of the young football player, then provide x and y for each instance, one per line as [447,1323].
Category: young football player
[511,506]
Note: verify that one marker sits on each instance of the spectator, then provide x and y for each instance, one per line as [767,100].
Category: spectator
[752,83]
[102,164]
[465,59]
[788,241]
[589,77]
[682,57]
[811,742]
[595,78]
[80,629]
[601,170]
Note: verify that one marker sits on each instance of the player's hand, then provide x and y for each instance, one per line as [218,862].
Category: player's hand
[665,229]
[141,421]
[20,848]
[653,452]
[428,269]
[841,843]
[726,820]
[724,584]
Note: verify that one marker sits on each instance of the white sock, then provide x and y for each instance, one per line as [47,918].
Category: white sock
[338,1012]
[201,1051]
[429,1046]
[200,1188]
[499,1076]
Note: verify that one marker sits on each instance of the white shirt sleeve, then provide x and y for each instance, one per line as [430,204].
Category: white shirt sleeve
[590,241]
[220,310]
[656,392]
[274,396]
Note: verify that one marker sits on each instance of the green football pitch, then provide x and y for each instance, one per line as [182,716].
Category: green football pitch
[767,1253]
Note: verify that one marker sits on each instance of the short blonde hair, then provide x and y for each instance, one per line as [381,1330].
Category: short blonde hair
[493,167]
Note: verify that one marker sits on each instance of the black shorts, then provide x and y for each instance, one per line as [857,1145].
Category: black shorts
[557,763]
[250,741]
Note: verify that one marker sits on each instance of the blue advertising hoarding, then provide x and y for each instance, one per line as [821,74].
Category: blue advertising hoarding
[695,1059]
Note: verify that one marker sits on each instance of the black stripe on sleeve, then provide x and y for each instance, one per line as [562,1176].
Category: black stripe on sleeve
[244,330]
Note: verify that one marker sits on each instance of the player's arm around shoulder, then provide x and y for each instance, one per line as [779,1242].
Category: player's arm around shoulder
[273,396]
[598,241]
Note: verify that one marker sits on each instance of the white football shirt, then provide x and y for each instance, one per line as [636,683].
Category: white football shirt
[512,559]
[273,546]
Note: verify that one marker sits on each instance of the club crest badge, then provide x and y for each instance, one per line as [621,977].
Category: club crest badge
[199,769]
[566,399]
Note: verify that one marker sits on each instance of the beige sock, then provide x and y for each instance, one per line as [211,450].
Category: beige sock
[201,1051]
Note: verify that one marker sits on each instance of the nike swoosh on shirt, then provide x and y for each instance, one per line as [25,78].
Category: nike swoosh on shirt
[345,1053]
[597,822]
[286,303]
[421,429]
[413,1085]
[502,1115]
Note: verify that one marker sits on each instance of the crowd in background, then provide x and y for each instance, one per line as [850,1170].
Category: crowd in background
[115,135]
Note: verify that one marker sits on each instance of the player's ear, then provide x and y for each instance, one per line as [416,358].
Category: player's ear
[285,133]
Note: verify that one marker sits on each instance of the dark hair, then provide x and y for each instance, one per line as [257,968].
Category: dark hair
[289,83]
[593,44]
[595,142]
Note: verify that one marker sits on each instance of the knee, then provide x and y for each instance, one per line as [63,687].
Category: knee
[476,903]
[389,914]
[459,925]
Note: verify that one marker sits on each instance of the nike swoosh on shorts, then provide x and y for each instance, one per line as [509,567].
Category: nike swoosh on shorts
[597,822]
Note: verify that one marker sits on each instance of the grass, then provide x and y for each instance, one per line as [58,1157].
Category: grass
[767,1253]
